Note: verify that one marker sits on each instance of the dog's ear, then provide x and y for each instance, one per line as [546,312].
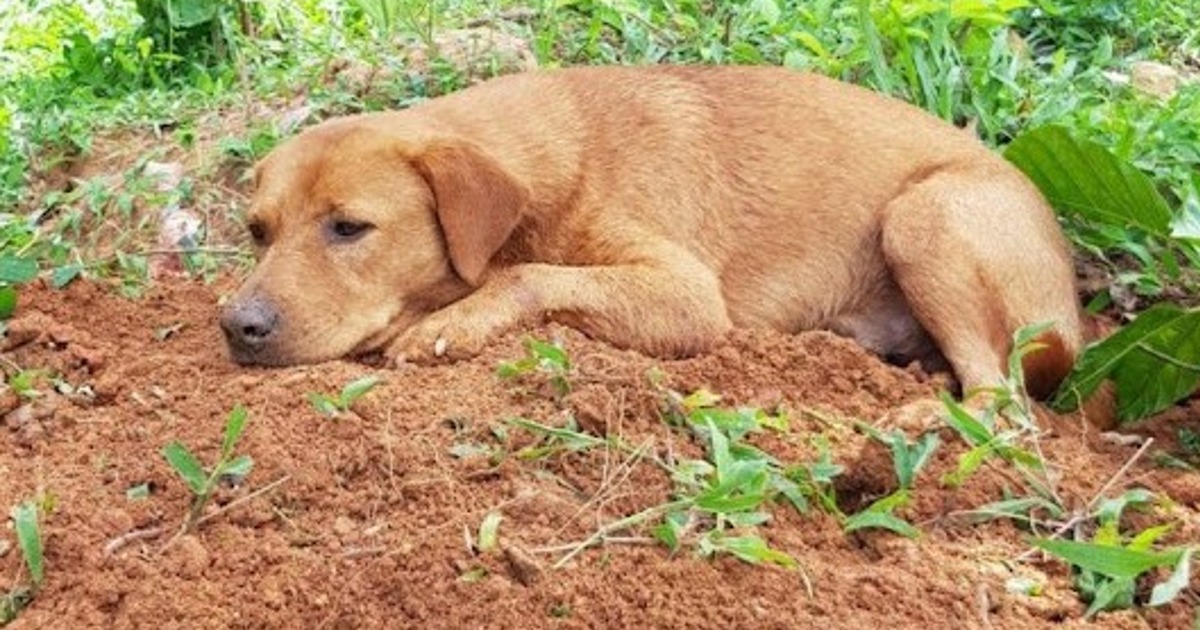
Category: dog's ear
[478,203]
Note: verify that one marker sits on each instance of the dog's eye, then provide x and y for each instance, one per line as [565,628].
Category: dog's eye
[344,230]
[257,232]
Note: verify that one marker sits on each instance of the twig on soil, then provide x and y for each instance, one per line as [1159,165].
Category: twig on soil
[189,524]
[115,545]
[609,540]
[614,480]
[1080,517]
[602,534]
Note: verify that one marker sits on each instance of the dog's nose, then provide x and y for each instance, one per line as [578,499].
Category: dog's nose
[249,324]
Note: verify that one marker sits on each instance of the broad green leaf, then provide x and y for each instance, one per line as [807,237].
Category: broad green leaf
[233,429]
[357,388]
[187,467]
[8,301]
[29,537]
[1180,578]
[1116,562]
[1082,178]
[489,532]
[17,270]
[1153,361]
[881,520]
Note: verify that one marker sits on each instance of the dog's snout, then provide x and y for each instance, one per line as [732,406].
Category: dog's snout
[250,324]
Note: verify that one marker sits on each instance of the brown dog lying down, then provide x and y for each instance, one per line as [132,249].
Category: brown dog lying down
[654,208]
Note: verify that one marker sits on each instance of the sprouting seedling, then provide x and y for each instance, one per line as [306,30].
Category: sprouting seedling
[203,483]
[908,458]
[335,406]
[544,358]
[29,538]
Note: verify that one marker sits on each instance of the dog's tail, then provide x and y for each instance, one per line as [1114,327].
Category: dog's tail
[1046,369]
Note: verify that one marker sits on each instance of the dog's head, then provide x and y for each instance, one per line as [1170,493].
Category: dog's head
[360,230]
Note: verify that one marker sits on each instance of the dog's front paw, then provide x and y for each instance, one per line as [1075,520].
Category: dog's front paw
[438,337]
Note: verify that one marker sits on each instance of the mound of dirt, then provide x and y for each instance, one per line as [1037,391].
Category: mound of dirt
[369,519]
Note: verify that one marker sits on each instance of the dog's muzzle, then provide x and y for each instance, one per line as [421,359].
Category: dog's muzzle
[251,327]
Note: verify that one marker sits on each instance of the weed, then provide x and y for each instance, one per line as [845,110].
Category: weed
[29,538]
[1106,568]
[201,482]
[543,358]
[334,406]
[908,458]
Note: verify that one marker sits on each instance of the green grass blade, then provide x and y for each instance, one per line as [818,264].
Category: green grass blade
[29,537]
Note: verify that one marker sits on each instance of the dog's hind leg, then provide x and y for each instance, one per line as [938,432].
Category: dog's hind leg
[978,254]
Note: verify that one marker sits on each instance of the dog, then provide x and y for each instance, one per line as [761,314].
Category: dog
[654,208]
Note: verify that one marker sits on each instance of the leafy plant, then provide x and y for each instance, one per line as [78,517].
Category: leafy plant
[544,358]
[1106,569]
[203,483]
[720,501]
[334,406]
[29,538]
[908,458]
[1154,361]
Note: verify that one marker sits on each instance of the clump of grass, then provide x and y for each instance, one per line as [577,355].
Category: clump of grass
[335,406]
